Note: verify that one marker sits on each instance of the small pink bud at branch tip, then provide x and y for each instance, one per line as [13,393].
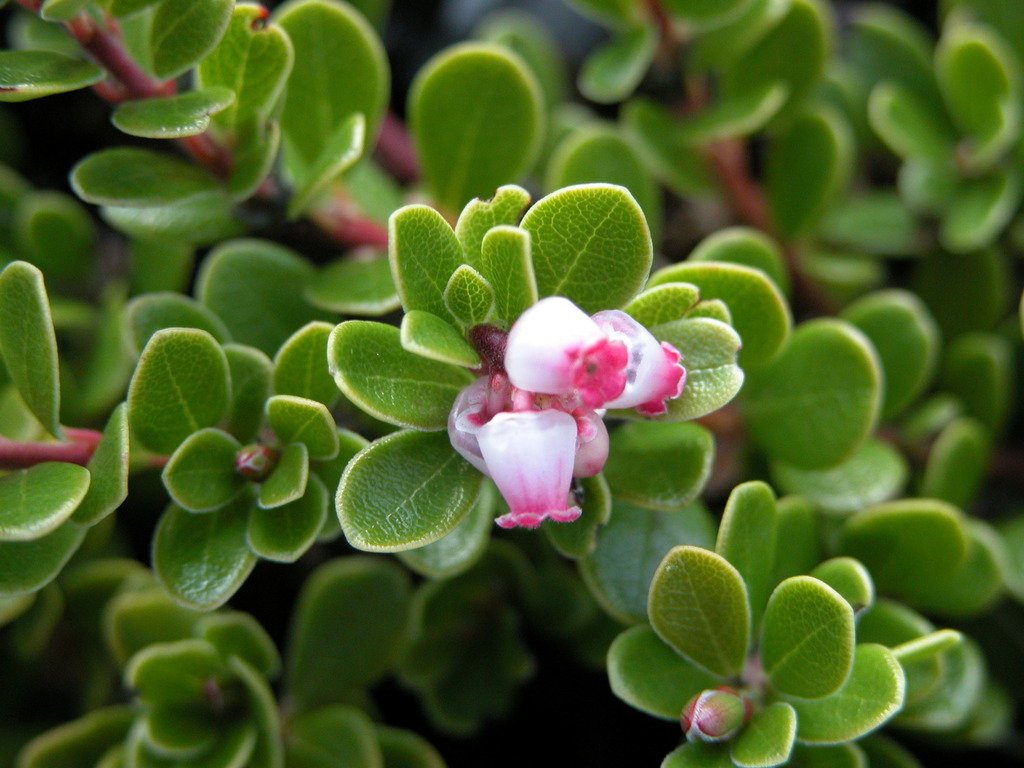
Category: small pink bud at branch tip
[255,462]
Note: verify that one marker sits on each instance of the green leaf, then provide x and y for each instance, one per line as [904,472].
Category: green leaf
[591,244]
[807,645]
[698,755]
[747,538]
[631,547]
[957,463]
[405,490]
[877,472]
[250,372]
[143,616]
[340,66]
[906,338]
[174,672]
[480,216]
[648,675]
[872,694]
[138,178]
[911,126]
[405,749]
[121,8]
[980,210]
[79,743]
[300,365]
[200,219]
[332,737]
[661,466]
[760,313]
[600,153]
[746,247]
[152,312]
[608,12]
[200,476]
[977,74]
[202,560]
[299,420]
[580,539]
[535,44]
[36,501]
[965,292]
[342,150]
[907,544]
[816,403]
[269,752]
[256,288]
[28,75]
[469,297]
[698,605]
[681,167]
[183,32]
[506,261]
[423,252]
[927,646]
[28,343]
[887,44]
[709,349]
[807,167]
[475,111]
[767,740]
[288,481]
[255,153]
[613,71]
[375,372]
[735,115]
[239,634]
[885,753]
[172,117]
[54,232]
[950,705]
[706,13]
[253,59]
[460,549]
[978,369]
[326,660]
[662,304]
[27,566]
[837,756]
[798,527]
[877,223]
[284,533]
[60,10]
[431,337]
[180,386]
[108,471]
[352,286]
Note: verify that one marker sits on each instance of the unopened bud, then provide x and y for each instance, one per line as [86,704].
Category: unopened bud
[714,715]
[255,462]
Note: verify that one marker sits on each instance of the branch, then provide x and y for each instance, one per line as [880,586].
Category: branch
[17,455]
[395,151]
[350,228]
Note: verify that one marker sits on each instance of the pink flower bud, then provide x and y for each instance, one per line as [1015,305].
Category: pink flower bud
[530,455]
[591,445]
[654,373]
[554,348]
[715,715]
[255,462]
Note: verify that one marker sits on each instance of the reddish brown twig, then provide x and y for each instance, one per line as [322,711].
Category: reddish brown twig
[395,151]
[348,227]
[18,455]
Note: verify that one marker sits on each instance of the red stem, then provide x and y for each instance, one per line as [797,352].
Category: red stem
[350,228]
[395,150]
[16,455]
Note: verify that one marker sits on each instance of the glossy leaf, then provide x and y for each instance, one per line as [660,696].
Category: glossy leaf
[239,634]
[172,117]
[131,177]
[746,247]
[681,167]
[108,471]
[735,116]
[580,539]
[354,287]
[431,337]
[298,420]
[747,538]
[250,372]
[28,75]
[613,71]
[300,365]
[332,736]
[481,215]
[284,533]
[423,252]
[35,501]
[469,297]
[27,566]
[152,312]
[79,743]
[662,304]
[183,32]
[200,476]
[460,549]
[341,151]
[767,739]
[287,482]
[957,463]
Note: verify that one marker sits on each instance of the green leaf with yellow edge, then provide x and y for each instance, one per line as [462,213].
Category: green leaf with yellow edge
[660,466]
[79,743]
[202,218]
[910,125]
[250,372]
[202,560]
[334,737]
[284,533]
[648,675]
[816,403]
[481,215]
[767,740]
[906,338]
[238,634]
[35,501]
[200,476]
[957,462]
[928,646]
[28,75]
[138,178]
[877,472]
[906,544]
[613,71]
[979,370]
[807,167]
[300,420]
[152,312]
[172,117]
[629,549]
[695,754]
[287,482]
[183,32]
[377,374]
[300,365]
[709,349]
[950,705]
[591,244]
[759,311]
[601,153]
[353,286]
[326,661]
[341,151]
[108,471]
[850,579]
[174,672]
[141,615]
[256,288]
[340,65]
[506,262]
[747,538]
[872,694]
[798,527]
[423,252]
[580,539]
[28,343]
[808,639]
[746,247]
[180,386]
[253,59]
[405,749]
[663,303]
[405,490]
[681,167]
[475,111]
[469,297]
[462,548]
[734,116]
[980,209]
[27,566]
[698,605]
[435,339]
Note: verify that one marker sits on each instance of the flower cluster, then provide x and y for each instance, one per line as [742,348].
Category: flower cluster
[535,421]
